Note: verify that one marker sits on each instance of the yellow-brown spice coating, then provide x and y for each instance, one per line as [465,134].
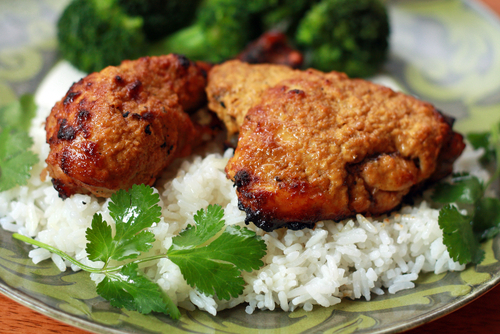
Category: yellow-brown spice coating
[315,146]
[236,86]
[124,125]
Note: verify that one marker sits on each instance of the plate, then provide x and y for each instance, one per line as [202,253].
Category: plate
[444,51]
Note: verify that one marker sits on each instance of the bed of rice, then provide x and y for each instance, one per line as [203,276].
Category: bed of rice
[355,258]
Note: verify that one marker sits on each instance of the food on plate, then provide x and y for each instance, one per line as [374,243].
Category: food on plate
[16,159]
[210,255]
[318,146]
[271,48]
[341,35]
[93,34]
[124,125]
[234,87]
[160,17]
[353,258]
[220,31]
[346,36]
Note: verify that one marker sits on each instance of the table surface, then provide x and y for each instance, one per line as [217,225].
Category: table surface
[481,315]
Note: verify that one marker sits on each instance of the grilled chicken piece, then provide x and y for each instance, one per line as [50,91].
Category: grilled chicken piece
[124,125]
[234,87]
[316,146]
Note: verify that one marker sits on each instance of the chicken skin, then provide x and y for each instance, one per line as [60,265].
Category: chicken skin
[236,86]
[315,146]
[124,125]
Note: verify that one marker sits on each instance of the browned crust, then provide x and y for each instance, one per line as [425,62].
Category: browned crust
[123,125]
[316,146]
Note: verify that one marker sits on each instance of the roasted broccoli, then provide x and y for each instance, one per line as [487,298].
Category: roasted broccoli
[221,30]
[161,17]
[345,35]
[284,15]
[93,34]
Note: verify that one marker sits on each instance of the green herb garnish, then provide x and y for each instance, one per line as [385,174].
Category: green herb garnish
[16,160]
[462,233]
[209,254]
[216,266]
[486,141]
[18,114]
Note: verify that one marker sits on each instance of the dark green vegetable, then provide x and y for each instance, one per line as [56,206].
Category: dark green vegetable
[161,17]
[345,35]
[462,233]
[342,35]
[16,160]
[93,34]
[18,114]
[220,31]
[483,140]
[284,15]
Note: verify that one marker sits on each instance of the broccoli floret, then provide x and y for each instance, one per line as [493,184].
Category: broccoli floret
[284,15]
[93,34]
[345,35]
[221,30]
[161,17]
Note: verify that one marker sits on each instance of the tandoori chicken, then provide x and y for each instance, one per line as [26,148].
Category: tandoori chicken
[124,125]
[315,146]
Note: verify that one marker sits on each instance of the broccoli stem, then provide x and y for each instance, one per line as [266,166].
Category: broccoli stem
[221,30]
[190,41]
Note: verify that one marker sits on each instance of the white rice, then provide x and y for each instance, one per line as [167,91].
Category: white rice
[355,258]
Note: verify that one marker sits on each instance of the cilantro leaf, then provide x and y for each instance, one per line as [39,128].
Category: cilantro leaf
[482,140]
[133,211]
[201,269]
[241,247]
[16,160]
[100,240]
[458,236]
[479,139]
[464,188]
[462,234]
[131,248]
[18,114]
[488,141]
[134,291]
[216,267]
[210,255]
[213,223]
[486,221]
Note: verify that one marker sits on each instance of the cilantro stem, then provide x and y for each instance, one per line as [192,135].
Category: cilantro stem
[65,256]
[55,251]
[210,256]
[146,259]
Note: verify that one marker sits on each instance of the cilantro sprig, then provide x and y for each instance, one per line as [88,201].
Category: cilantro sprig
[463,233]
[16,160]
[209,254]
[216,267]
